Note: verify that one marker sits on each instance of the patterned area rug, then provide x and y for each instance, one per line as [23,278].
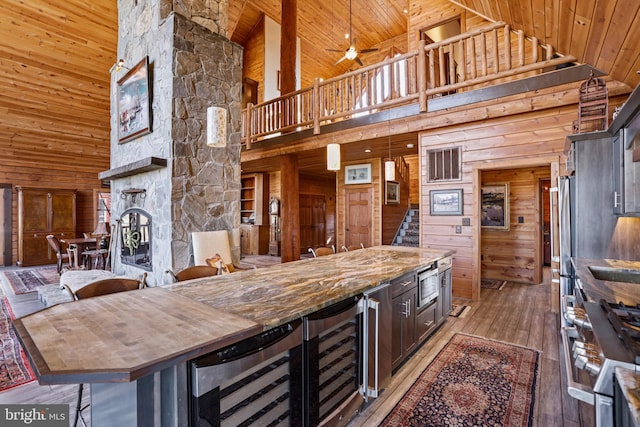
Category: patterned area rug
[14,368]
[472,382]
[492,283]
[26,280]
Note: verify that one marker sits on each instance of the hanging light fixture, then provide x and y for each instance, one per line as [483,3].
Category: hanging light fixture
[390,165]
[333,156]
[216,127]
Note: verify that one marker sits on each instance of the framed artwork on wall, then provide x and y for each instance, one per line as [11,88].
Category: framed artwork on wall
[446,202]
[134,102]
[495,206]
[357,174]
[392,192]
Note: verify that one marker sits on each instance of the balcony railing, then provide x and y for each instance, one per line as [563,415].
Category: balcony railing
[457,64]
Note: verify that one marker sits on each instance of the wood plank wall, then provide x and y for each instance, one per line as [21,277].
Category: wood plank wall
[513,254]
[502,141]
[253,57]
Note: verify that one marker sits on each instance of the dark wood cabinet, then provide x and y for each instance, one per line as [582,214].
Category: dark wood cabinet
[403,322]
[42,212]
[254,239]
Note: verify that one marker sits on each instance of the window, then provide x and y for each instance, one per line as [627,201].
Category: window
[444,164]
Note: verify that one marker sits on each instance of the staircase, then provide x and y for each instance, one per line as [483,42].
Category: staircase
[409,232]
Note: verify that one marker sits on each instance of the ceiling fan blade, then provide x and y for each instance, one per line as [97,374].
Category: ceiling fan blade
[358,61]
[340,60]
[335,50]
[373,49]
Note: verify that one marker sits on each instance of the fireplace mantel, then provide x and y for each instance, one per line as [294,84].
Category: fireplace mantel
[144,165]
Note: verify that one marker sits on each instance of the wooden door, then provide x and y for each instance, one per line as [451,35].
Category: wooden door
[312,221]
[33,227]
[358,216]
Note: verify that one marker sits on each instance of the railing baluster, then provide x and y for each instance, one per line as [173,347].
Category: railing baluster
[496,51]
[520,48]
[443,80]
[432,69]
[534,46]
[483,53]
[463,66]
[474,67]
[507,47]
[452,65]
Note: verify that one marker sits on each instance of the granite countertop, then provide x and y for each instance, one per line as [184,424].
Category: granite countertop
[602,289]
[122,337]
[277,294]
[630,384]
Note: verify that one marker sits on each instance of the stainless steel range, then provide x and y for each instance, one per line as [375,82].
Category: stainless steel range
[598,337]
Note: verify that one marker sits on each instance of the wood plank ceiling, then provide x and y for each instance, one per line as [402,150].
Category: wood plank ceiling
[55,56]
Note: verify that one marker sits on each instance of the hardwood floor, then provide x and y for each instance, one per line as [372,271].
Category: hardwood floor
[517,314]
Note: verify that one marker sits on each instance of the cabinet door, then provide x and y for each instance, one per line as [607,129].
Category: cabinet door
[618,175]
[398,318]
[62,213]
[409,338]
[33,211]
[427,320]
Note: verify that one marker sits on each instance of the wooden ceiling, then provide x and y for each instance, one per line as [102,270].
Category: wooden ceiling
[55,56]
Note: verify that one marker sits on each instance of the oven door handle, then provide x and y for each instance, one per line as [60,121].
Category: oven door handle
[575,389]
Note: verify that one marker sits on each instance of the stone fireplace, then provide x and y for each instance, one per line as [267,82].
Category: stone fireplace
[186,185]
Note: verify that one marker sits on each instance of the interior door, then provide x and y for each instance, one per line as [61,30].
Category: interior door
[312,221]
[358,216]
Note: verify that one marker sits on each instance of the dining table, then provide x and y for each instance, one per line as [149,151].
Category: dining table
[82,243]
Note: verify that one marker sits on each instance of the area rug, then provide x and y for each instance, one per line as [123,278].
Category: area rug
[459,310]
[14,367]
[492,283]
[472,382]
[27,280]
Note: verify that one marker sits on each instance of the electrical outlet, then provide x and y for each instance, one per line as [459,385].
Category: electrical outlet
[520,220]
[466,222]
[458,229]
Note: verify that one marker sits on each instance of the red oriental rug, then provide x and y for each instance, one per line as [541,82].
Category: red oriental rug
[27,280]
[14,367]
[472,382]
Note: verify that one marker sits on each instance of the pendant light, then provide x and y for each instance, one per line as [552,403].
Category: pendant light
[333,156]
[390,165]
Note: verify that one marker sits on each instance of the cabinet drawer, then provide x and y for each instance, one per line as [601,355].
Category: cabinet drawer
[403,283]
[426,321]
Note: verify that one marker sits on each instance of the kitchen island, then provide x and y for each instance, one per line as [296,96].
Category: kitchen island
[134,347]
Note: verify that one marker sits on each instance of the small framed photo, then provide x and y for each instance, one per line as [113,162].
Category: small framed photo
[446,202]
[495,206]
[134,103]
[357,174]
[392,192]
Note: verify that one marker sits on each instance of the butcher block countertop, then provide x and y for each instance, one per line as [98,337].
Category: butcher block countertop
[610,291]
[125,336]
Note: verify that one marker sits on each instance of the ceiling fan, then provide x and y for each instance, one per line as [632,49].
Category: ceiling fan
[351,53]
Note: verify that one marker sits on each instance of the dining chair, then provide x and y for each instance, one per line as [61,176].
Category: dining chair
[96,289]
[352,247]
[321,251]
[57,247]
[193,272]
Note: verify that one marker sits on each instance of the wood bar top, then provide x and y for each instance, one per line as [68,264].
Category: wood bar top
[122,337]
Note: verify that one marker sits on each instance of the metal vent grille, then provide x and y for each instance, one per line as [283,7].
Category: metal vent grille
[444,164]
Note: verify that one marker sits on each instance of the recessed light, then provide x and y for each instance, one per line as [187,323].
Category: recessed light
[409,145]
[367,150]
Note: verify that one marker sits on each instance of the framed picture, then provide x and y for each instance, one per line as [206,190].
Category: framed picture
[357,174]
[392,192]
[134,103]
[446,202]
[495,206]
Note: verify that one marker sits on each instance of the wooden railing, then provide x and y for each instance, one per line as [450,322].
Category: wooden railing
[460,63]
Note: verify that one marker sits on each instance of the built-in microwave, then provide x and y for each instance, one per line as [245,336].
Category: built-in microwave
[428,285]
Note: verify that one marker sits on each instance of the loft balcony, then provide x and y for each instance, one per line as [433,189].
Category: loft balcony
[475,66]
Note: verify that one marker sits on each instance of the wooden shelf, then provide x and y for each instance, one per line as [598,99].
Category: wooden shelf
[145,165]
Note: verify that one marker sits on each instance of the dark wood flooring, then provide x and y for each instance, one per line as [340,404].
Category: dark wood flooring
[518,314]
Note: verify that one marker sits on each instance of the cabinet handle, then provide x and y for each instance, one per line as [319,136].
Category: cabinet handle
[428,323]
[616,196]
[407,283]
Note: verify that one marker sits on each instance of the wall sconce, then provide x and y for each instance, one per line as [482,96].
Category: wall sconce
[216,127]
[333,157]
[118,66]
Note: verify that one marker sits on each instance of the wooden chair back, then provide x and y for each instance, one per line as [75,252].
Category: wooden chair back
[55,244]
[195,272]
[321,251]
[109,286]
